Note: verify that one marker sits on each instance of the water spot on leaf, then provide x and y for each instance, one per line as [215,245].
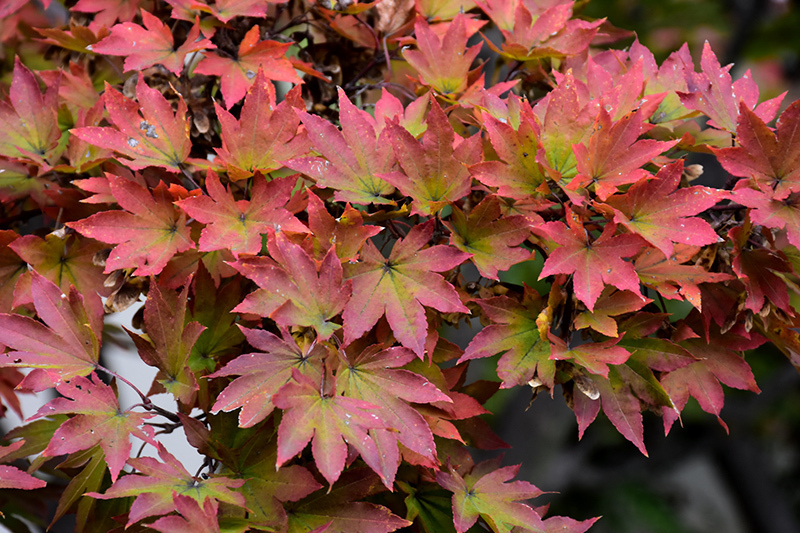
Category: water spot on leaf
[133,143]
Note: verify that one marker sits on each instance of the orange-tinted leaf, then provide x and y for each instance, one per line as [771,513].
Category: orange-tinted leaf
[265,135]
[347,232]
[238,74]
[593,356]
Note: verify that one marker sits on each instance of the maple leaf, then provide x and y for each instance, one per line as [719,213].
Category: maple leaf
[593,263]
[442,63]
[98,420]
[610,304]
[156,484]
[492,240]
[147,235]
[593,356]
[263,373]
[77,38]
[237,225]
[758,268]
[105,14]
[66,261]
[339,509]
[12,268]
[153,44]
[14,478]
[433,172]
[622,408]
[771,213]
[720,360]
[332,421]
[770,159]
[513,332]
[566,120]
[613,156]
[225,10]
[400,285]
[238,74]
[545,31]
[376,377]
[353,158]
[346,232]
[292,292]
[156,137]
[64,347]
[490,496]
[28,126]
[169,342]
[194,517]
[661,213]
[715,94]
[673,279]
[519,175]
[265,135]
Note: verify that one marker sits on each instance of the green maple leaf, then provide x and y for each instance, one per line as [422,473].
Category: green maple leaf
[488,495]
[157,483]
[492,240]
[514,333]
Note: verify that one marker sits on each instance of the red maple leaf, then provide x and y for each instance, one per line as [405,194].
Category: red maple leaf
[672,278]
[772,161]
[766,211]
[661,213]
[98,420]
[169,341]
[263,373]
[621,406]
[593,262]
[28,126]
[156,137]
[353,158]
[65,346]
[610,304]
[376,377]
[613,156]
[105,13]
[434,171]
[492,240]
[14,478]
[442,63]
[238,74]
[715,94]
[153,44]
[332,421]
[758,269]
[265,135]
[237,225]
[292,292]
[148,234]
[194,517]
[400,285]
